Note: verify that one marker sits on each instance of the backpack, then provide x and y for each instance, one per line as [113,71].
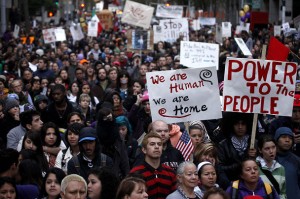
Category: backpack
[77,165]
[235,190]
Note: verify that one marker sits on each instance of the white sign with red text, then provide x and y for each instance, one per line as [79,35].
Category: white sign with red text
[184,95]
[259,86]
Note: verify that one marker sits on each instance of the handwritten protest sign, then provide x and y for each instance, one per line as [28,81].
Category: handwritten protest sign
[277,31]
[286,27]
[16,31]
[49,35]
[106,19]
[76,32]
[137,14]
[199,55]
[259,86]
[169,30]
[92,29]
[240,42]
[226,29]
[184,95]
[170,11]
[208,21]
[60,34]
[245,27]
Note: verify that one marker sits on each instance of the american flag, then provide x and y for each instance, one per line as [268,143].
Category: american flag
[185,145]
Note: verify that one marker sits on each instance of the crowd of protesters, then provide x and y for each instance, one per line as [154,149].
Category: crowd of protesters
[75,121]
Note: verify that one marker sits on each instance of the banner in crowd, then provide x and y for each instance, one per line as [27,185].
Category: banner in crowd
[226,29]
[245,27]
[277,31]
[170,11]
[199,55]
[106,19]
[240,42]
[259,86]
[49,35]
[76,32]
[169,30]
[137,14]
[140,39]
[60,34]
[92,29]
[184,95]
[16,31]
[207,21]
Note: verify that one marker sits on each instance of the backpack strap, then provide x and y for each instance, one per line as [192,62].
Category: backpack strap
[235,188]
[268,190]
[76,163]
[64,151]
[103,160]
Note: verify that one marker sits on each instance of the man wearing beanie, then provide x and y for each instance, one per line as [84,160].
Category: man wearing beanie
[284,138]
[10,120]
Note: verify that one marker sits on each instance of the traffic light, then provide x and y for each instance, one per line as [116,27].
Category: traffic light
[50,14]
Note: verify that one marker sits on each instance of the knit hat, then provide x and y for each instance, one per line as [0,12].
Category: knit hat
[2,78]
[10,103]
[283,131]
[87,133]
[39,98]
[13,96]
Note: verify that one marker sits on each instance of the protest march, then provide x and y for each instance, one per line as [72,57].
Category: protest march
[125,99]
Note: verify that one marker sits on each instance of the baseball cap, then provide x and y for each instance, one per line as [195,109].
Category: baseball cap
[87,134]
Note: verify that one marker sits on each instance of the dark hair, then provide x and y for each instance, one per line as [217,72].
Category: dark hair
[44,133]
[93,102]
[205,149]
[59,174]
[263,139]
[36,139]
[74,113]
[120,75]
[215,190]
[127,186]
[26,117]
[8,157]
[241,165]
[58,87]
[74,128]
[8,180]
[30,172]
[108,179]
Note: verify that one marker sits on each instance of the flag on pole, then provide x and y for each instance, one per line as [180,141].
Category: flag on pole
[277,51]
[185,145]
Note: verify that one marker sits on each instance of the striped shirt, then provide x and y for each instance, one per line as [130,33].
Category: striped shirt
[160,182]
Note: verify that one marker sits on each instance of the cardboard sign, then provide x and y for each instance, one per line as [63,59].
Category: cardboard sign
[49,35]
[60,34]
[164,11]
[92,29]
[259,86]
[188,95]
[169,30]
[286,27]
[277,31]
[196,24]
[106,19]
[76,32]
[16,31]
[199,55]
[226,29]
[207,21]
[245,27]
[240,42]
[137,14]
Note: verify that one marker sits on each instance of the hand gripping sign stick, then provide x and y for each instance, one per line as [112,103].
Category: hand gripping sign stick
[254,124]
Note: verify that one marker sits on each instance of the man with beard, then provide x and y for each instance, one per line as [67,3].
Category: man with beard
[58,111]
[90,155]
[101,85]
